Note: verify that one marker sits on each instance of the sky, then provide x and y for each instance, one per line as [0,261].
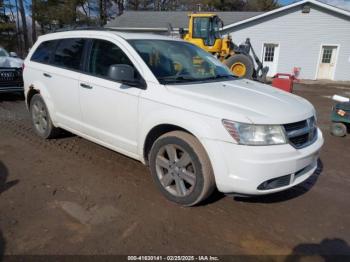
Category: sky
[344,4]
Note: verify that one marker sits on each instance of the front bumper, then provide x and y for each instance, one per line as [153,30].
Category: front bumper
[243,169]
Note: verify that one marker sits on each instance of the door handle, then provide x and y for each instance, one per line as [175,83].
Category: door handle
[47,75]
[85,86]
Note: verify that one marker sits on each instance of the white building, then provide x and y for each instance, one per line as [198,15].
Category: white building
[307,34]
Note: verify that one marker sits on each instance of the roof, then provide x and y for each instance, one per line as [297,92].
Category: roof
[287,7]
[160,20]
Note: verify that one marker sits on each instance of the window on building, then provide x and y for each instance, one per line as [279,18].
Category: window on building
[269,54]
[327,55]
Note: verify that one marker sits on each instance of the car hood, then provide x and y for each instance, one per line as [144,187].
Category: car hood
[242,100]
[11,62]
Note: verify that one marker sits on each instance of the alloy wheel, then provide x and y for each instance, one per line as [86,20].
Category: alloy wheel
[175,170]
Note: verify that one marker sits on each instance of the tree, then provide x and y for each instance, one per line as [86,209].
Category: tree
[7,27]
[227,5]
[24,25]
[34,20]
[141,4]
[120,6]
[53,14]
[103,12]
[261,5]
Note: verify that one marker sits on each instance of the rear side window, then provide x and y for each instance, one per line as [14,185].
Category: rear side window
[43,52]
[68,53]
[103,55]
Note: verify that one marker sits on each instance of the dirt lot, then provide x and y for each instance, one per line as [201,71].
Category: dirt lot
[70,196]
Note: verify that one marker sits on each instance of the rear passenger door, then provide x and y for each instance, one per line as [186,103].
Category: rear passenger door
[63,81]
[109,108]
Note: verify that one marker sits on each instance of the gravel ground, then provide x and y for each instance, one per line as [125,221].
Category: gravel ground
[70,196]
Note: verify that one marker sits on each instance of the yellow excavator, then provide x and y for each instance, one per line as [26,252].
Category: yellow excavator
[204,30]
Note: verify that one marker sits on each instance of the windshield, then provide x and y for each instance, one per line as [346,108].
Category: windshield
[180,62]
[3,52]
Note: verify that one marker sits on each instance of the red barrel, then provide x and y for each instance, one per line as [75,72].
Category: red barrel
[284,82]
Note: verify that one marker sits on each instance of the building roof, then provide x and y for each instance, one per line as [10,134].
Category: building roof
[160,20]
[287,7]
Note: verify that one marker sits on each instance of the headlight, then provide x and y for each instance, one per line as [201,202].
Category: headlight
[255,135]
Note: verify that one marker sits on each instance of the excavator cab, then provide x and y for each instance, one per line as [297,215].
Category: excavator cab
[204,31]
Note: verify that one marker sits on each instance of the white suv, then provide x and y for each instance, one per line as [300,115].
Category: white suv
[174,107]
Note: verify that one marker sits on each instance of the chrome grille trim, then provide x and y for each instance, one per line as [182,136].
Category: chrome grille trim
[301,134]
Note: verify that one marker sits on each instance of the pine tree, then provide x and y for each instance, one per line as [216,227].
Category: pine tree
[7,28]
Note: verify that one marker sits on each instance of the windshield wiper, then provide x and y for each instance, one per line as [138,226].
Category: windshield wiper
[176,79]
[182,79]
[219,77]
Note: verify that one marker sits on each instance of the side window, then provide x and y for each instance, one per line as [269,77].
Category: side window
[68,53]
[103,55]
[43,52]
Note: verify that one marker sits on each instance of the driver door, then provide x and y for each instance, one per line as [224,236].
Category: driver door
[109,109]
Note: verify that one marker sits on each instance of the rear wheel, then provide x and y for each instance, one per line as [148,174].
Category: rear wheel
[181,168]
[41,120]
[241,66]
[338,129]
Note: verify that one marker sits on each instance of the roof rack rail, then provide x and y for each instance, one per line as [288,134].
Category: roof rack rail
[74,28]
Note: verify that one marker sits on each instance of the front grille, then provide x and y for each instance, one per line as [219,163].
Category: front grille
[301,134]
[295,126]
[299,141]
[11,77]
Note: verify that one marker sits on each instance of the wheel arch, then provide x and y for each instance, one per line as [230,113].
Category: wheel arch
[163,122]
[155,133]
[39,88]
[31,92]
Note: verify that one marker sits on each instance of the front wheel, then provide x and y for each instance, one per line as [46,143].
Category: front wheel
[181,168]
[241,65]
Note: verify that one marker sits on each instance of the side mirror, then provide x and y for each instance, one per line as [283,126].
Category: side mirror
[125,74]
[13,54]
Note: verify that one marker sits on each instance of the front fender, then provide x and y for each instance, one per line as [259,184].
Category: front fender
[202,127]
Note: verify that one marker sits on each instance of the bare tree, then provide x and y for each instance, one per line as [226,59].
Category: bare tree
[33,21]
[103,12]
[24,25]
[120,6]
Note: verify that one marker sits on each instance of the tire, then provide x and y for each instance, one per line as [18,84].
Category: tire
[338,129]
[191,166]
[41,120]
[245,60]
